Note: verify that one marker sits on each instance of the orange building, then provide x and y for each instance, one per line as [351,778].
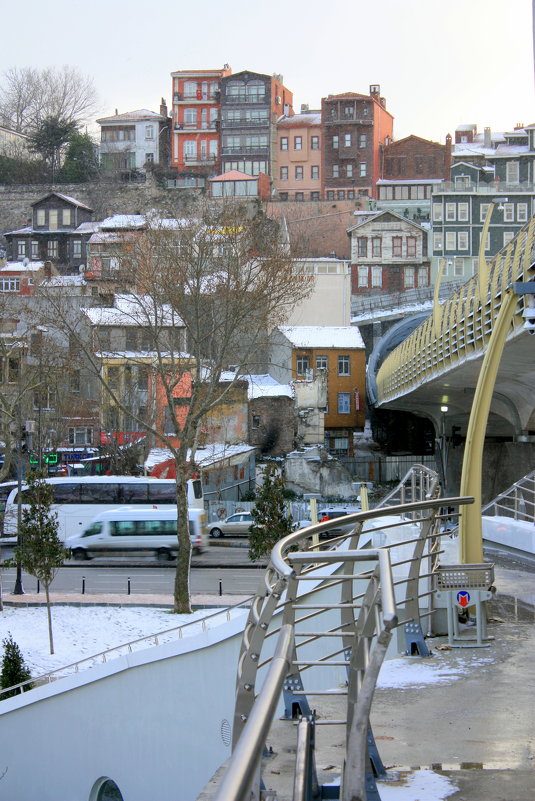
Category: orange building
[304,352]
[298,176]
[196,112]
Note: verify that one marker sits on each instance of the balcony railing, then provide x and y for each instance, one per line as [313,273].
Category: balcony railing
[195,126]
[496,188]
[199,160]
[230,151]
[245,98]
[243,123]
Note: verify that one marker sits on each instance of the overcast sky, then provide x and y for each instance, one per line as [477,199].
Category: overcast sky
[439,64]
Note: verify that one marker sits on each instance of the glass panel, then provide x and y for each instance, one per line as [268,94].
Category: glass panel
[100,493]
[135,493]
[164,493]
[66,493]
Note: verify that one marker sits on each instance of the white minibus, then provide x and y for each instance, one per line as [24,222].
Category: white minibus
[128,529]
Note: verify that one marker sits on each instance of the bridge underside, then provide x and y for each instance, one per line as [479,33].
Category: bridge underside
[512,412]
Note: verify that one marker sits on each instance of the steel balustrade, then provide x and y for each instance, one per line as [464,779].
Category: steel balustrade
[464,324]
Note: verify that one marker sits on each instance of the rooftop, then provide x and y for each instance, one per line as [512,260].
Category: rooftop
[316,336]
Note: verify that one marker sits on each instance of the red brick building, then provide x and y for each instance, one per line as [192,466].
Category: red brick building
[355,127]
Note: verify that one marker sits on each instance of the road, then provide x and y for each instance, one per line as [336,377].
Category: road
[220,569]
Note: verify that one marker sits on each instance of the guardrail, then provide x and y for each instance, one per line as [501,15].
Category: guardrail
[177,632]
[517,502]
[289,600]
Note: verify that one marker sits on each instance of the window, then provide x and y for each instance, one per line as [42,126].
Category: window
[44,399]
[298,142]
[76,248]
[284,173]
[350,194]
[9,284]
[507,236]
[149,157]
[190,88]
[330,194]
[377,275]
[302,364]
[376,247]
[450,211]
[344,402]
[315,172]
[21,248]
[462,212]
[335,142]
[397,245]
[190,149]
[451,240]
[422,276]
[522,212]
[149,132]
[79,435]
[340,194]
[437,212]
[256,421]
[190,117]
[314,143]
[298,173]
[362,246]
[508,212]
[283,195]
[512,172]
[411,247]
[74,381]
[321,362]
[349,171]
[284,143]
[362,169]
[362,140]
[483,210]
[363,275]
[437,240]
[300,196]
[52,249]
[53,219]
[336,171]
[408,277]
[314,195]
[347,140]
[462,240]
[40,217]
[66,217]
[458,268]
[343,365]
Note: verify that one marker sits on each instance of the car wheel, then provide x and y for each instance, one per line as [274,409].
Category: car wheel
[216,533]
[163,555]
[80,554]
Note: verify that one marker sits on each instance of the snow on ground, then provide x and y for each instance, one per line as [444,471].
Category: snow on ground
[441,668]
[84,631]
[420,786]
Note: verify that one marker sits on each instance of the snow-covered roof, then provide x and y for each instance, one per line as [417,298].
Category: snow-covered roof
[21,267]
[416,181]
[211,454]
[65,280]
[138,115]
[67,198]
[261,385]
[326,336]
[304,119]
[123,221]
[26,230]
[132,310]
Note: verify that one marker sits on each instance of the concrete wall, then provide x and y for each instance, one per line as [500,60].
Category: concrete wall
[503,464]
[312,471]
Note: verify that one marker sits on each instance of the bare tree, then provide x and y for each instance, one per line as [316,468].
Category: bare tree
[212,288]
[29,95]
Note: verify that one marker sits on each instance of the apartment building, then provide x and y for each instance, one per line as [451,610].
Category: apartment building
[131,140]
[298,176]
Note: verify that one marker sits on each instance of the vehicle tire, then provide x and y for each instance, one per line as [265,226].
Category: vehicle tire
[163,555]
[216,533]
[80,554]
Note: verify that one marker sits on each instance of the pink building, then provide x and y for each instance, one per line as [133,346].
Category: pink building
[298,174]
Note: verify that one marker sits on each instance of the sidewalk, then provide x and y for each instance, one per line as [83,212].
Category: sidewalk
[198,600]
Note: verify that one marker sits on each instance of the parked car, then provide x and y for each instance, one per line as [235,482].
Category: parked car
[237,525]
[331,514]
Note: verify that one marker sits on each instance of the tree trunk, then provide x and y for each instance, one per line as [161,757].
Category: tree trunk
[49,614]
[182,603]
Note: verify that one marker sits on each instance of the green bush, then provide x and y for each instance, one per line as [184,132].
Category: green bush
[14,670]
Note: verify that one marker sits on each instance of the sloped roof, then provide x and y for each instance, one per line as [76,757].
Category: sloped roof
[307,118]
[138,115]
[234,175]
[67,198]
[323,336]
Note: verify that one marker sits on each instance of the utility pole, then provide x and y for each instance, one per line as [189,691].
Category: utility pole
[18,588]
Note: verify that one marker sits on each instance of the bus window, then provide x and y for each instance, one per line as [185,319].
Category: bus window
[135,493]
[100,493]
[66,493]
[162,493]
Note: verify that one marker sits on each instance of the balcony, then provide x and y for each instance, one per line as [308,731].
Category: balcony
[194,127]
[200,161]
[242,97]
[243,123]
[200,97]
[342,119]
[498,188]
[262,150]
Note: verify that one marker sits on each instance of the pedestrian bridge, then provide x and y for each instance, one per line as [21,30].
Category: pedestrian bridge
[439,363]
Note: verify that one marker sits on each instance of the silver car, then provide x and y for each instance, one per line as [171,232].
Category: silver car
[237,525]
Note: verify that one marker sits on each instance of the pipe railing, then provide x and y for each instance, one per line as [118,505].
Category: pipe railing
[517,502]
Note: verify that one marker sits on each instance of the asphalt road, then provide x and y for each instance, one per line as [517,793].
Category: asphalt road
[220,569]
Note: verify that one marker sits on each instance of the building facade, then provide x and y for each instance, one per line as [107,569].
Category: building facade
[388,254]
[251,104]
[298,176]
[196,122]
[356,128]
[133,140]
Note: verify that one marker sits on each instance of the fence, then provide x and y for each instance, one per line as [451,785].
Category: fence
[384,468]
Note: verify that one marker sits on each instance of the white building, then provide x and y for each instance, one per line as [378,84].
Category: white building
[131,140]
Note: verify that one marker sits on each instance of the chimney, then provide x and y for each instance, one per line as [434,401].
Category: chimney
[116,112]
[163,108]
[487,138]
[304,108]
[447,159]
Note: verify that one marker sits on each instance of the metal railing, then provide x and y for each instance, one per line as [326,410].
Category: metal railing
[289,601]
[464,325]
[177,632]
[371,303]
[517,502]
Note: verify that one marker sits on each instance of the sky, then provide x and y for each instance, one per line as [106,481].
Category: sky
[438,64]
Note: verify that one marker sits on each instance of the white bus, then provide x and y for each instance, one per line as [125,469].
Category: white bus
[79,499]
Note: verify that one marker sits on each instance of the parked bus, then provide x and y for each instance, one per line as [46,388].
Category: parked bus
[131,529]
[78,499]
